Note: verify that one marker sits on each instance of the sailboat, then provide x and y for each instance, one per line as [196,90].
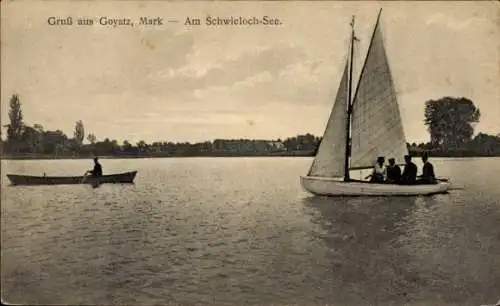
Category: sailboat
[361,128]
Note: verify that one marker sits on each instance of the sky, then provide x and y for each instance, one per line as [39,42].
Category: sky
[194,83]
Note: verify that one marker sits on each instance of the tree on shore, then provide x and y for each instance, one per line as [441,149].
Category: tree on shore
[450,121]
[16,125]
[91,138]
[32,139]
[127,146]
[79,132]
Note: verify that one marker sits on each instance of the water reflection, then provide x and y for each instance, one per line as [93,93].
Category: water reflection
[362,236]
[455,249]
[244,236]
[418,251]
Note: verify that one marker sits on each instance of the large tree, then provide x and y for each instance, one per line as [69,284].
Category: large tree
[15,127]
[450,121]
[79,132]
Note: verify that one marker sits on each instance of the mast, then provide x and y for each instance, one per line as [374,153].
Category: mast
[349,94]
[349,109]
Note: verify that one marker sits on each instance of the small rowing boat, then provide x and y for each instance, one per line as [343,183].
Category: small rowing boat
[119,178]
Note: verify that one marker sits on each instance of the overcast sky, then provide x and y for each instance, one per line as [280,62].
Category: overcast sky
[180,83]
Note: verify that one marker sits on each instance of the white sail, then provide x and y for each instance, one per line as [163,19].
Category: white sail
[377,129]
[329,160]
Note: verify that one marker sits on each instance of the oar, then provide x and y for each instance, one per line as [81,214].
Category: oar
[84,177]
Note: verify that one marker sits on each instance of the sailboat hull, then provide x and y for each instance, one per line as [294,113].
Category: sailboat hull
[337,187]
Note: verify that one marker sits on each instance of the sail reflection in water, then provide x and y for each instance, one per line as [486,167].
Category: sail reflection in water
[405,250]
[367,262]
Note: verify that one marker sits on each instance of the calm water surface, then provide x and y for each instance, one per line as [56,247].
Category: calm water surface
[240,231]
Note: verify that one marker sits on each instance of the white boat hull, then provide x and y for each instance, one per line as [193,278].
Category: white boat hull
[337,187]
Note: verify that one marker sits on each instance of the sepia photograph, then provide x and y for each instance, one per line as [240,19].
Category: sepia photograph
[336,153]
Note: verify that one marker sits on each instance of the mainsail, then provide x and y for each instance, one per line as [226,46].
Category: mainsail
[377,129]
[329,160]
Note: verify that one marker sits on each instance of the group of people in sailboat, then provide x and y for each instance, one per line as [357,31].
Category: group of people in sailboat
[392,172]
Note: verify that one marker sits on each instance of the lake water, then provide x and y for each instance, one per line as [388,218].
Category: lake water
[241,231]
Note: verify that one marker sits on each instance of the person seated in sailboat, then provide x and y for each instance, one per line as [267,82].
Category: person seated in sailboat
[409,175]
[378,174]
[428,176]
[393,172]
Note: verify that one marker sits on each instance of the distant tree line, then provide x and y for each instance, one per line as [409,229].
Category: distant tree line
[24,141]
[449,121]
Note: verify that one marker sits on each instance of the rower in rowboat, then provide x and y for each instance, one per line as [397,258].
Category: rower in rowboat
[97,171]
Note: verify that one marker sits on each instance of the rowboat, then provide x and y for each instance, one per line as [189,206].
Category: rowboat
[120,178]
[361,128]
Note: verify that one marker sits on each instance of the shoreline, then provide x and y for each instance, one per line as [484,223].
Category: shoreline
[202,156]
